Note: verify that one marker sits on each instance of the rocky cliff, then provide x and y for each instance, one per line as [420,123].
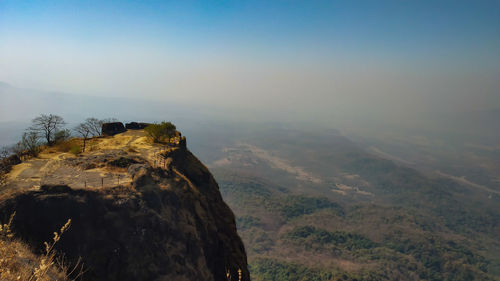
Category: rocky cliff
[139,212]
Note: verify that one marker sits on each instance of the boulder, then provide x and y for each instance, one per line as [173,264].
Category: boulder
[111,129]
[136,125]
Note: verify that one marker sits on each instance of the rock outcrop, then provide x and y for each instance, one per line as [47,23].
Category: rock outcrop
[136,125]
[168,223]
[111,129]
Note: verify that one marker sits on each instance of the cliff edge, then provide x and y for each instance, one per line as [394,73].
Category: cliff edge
[139,211]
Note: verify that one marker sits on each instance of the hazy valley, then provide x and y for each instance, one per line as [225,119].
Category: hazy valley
[318,203]
[249,140]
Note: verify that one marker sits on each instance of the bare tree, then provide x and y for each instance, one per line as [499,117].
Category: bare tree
[18,149]
[47,126]
[30,142]
[85,131]
[62,136]
[95,126]
[4,153]
[110,120]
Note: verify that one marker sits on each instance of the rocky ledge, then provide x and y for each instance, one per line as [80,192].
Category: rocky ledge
[168,223]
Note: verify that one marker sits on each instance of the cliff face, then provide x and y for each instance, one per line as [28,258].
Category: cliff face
[168,222]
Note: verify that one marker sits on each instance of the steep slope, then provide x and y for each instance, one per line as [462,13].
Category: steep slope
[139,212]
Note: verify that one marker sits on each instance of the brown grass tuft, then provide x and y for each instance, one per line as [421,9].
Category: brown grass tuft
[131,149]
[17,262]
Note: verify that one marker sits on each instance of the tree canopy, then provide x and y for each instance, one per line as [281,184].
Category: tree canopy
[47,126]
[160,132]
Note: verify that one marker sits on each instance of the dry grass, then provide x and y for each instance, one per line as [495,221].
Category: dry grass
[63,146]
[131,149]
[3,178]
[228,274]
[68,145]
[17,262]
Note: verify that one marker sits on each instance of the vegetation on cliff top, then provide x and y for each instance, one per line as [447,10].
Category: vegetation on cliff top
[161,132]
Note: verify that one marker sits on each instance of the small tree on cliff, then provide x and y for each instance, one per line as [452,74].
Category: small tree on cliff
[31,143]
[159,132]
[47,126]
[62,136]
[95,126]
[4,152]
[84,131]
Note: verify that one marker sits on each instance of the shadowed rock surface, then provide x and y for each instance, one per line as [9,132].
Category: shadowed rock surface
[111,129]
[169,223]
[136,125]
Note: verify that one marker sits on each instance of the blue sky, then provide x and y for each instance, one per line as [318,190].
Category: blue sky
[226,51]
[400,27]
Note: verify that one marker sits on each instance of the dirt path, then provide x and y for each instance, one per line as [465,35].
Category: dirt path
[56,167]
[466,182]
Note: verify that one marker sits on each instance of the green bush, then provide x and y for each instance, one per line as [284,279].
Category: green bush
[62,136]
[76,150]
[246,222]
[350,241]
[271,269]
[161,132]
[296,206]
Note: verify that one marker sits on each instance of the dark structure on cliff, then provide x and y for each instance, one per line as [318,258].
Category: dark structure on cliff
[136,125]
[111,129]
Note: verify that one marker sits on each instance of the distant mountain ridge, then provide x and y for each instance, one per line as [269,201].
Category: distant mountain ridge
[20,104]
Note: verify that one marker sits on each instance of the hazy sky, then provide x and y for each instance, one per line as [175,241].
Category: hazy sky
[300,57]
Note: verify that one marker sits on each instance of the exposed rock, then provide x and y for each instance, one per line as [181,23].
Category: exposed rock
[55,188]
[123,162]
[107,157]
[136,125]
[182,142]
[135,169]
[111,129]
[169,224]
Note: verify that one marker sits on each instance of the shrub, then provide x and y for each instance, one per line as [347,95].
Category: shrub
[76,150]
[64,146]
[3,178]
[246,222]
[30,143]
[62,135]
[271,269]
[17,262]
[296,206]
[160,132]
[132,149]
[350,241]
[122,162]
